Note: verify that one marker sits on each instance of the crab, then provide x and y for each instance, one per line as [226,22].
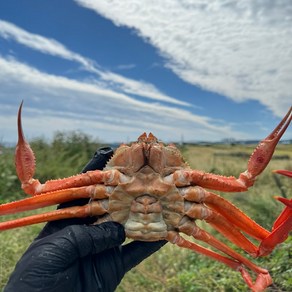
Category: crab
[149,188]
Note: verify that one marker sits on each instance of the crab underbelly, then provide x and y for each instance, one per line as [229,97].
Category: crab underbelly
[146,217]
[147,227]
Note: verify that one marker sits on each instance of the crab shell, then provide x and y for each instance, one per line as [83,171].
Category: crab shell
[146,202]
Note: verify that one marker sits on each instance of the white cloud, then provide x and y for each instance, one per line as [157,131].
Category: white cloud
[45,45]
[241,49]
[58,103]
[137,88]
[55,48]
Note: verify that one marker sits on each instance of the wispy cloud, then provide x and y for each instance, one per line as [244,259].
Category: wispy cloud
[72,104]
[241,49]
[55,48]
[137,88]
[125,66]
[45,45]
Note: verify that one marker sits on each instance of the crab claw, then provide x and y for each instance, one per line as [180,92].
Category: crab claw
[264,151]
[25,160]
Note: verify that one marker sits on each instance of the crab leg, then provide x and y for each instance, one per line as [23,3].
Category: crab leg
[278,235]
[225,208]
[53,198]
[287,212]
[269,240]
[263,278]
[25,168]
[282,225]
[92,209]
[190,228]
[199,211]
[284,172]
[256,164]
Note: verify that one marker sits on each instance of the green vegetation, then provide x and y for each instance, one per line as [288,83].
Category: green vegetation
[172,268]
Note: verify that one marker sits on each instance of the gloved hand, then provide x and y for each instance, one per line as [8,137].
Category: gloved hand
[79,257]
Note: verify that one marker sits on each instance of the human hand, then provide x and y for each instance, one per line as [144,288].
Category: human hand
[71,256]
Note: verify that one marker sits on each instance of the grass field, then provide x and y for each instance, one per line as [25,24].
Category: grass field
[172,268]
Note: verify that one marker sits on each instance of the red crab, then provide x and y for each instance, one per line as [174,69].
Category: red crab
[148,187]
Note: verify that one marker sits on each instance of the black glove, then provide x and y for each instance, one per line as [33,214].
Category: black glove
[66,257]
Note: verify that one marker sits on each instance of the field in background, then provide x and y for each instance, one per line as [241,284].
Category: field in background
[172,268]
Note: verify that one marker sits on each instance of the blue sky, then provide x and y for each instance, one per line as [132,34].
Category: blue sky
[201,70]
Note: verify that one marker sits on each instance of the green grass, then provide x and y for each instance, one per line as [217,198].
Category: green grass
[172,268]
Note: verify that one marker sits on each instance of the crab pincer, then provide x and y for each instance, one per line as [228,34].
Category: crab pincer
[265,149]
[25,169]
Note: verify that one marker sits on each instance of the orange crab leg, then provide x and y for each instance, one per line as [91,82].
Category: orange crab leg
[53,198]
[25,167]
[281,229]
[287,212]
[225,208]
[191,229]
[92,209]
[284,172]
[256,164]
[175,238]
[263,277]
[199,211]
[277,236]
[282,226]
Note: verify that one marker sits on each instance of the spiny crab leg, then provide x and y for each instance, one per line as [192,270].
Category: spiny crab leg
[283,224]
[278,235]
[256,164]
[53,198]
[48,199]
[25,168]
[93,209]
[284,172]
[237,219]
[218,222]
[236,261]
[287,212]
[225,208]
